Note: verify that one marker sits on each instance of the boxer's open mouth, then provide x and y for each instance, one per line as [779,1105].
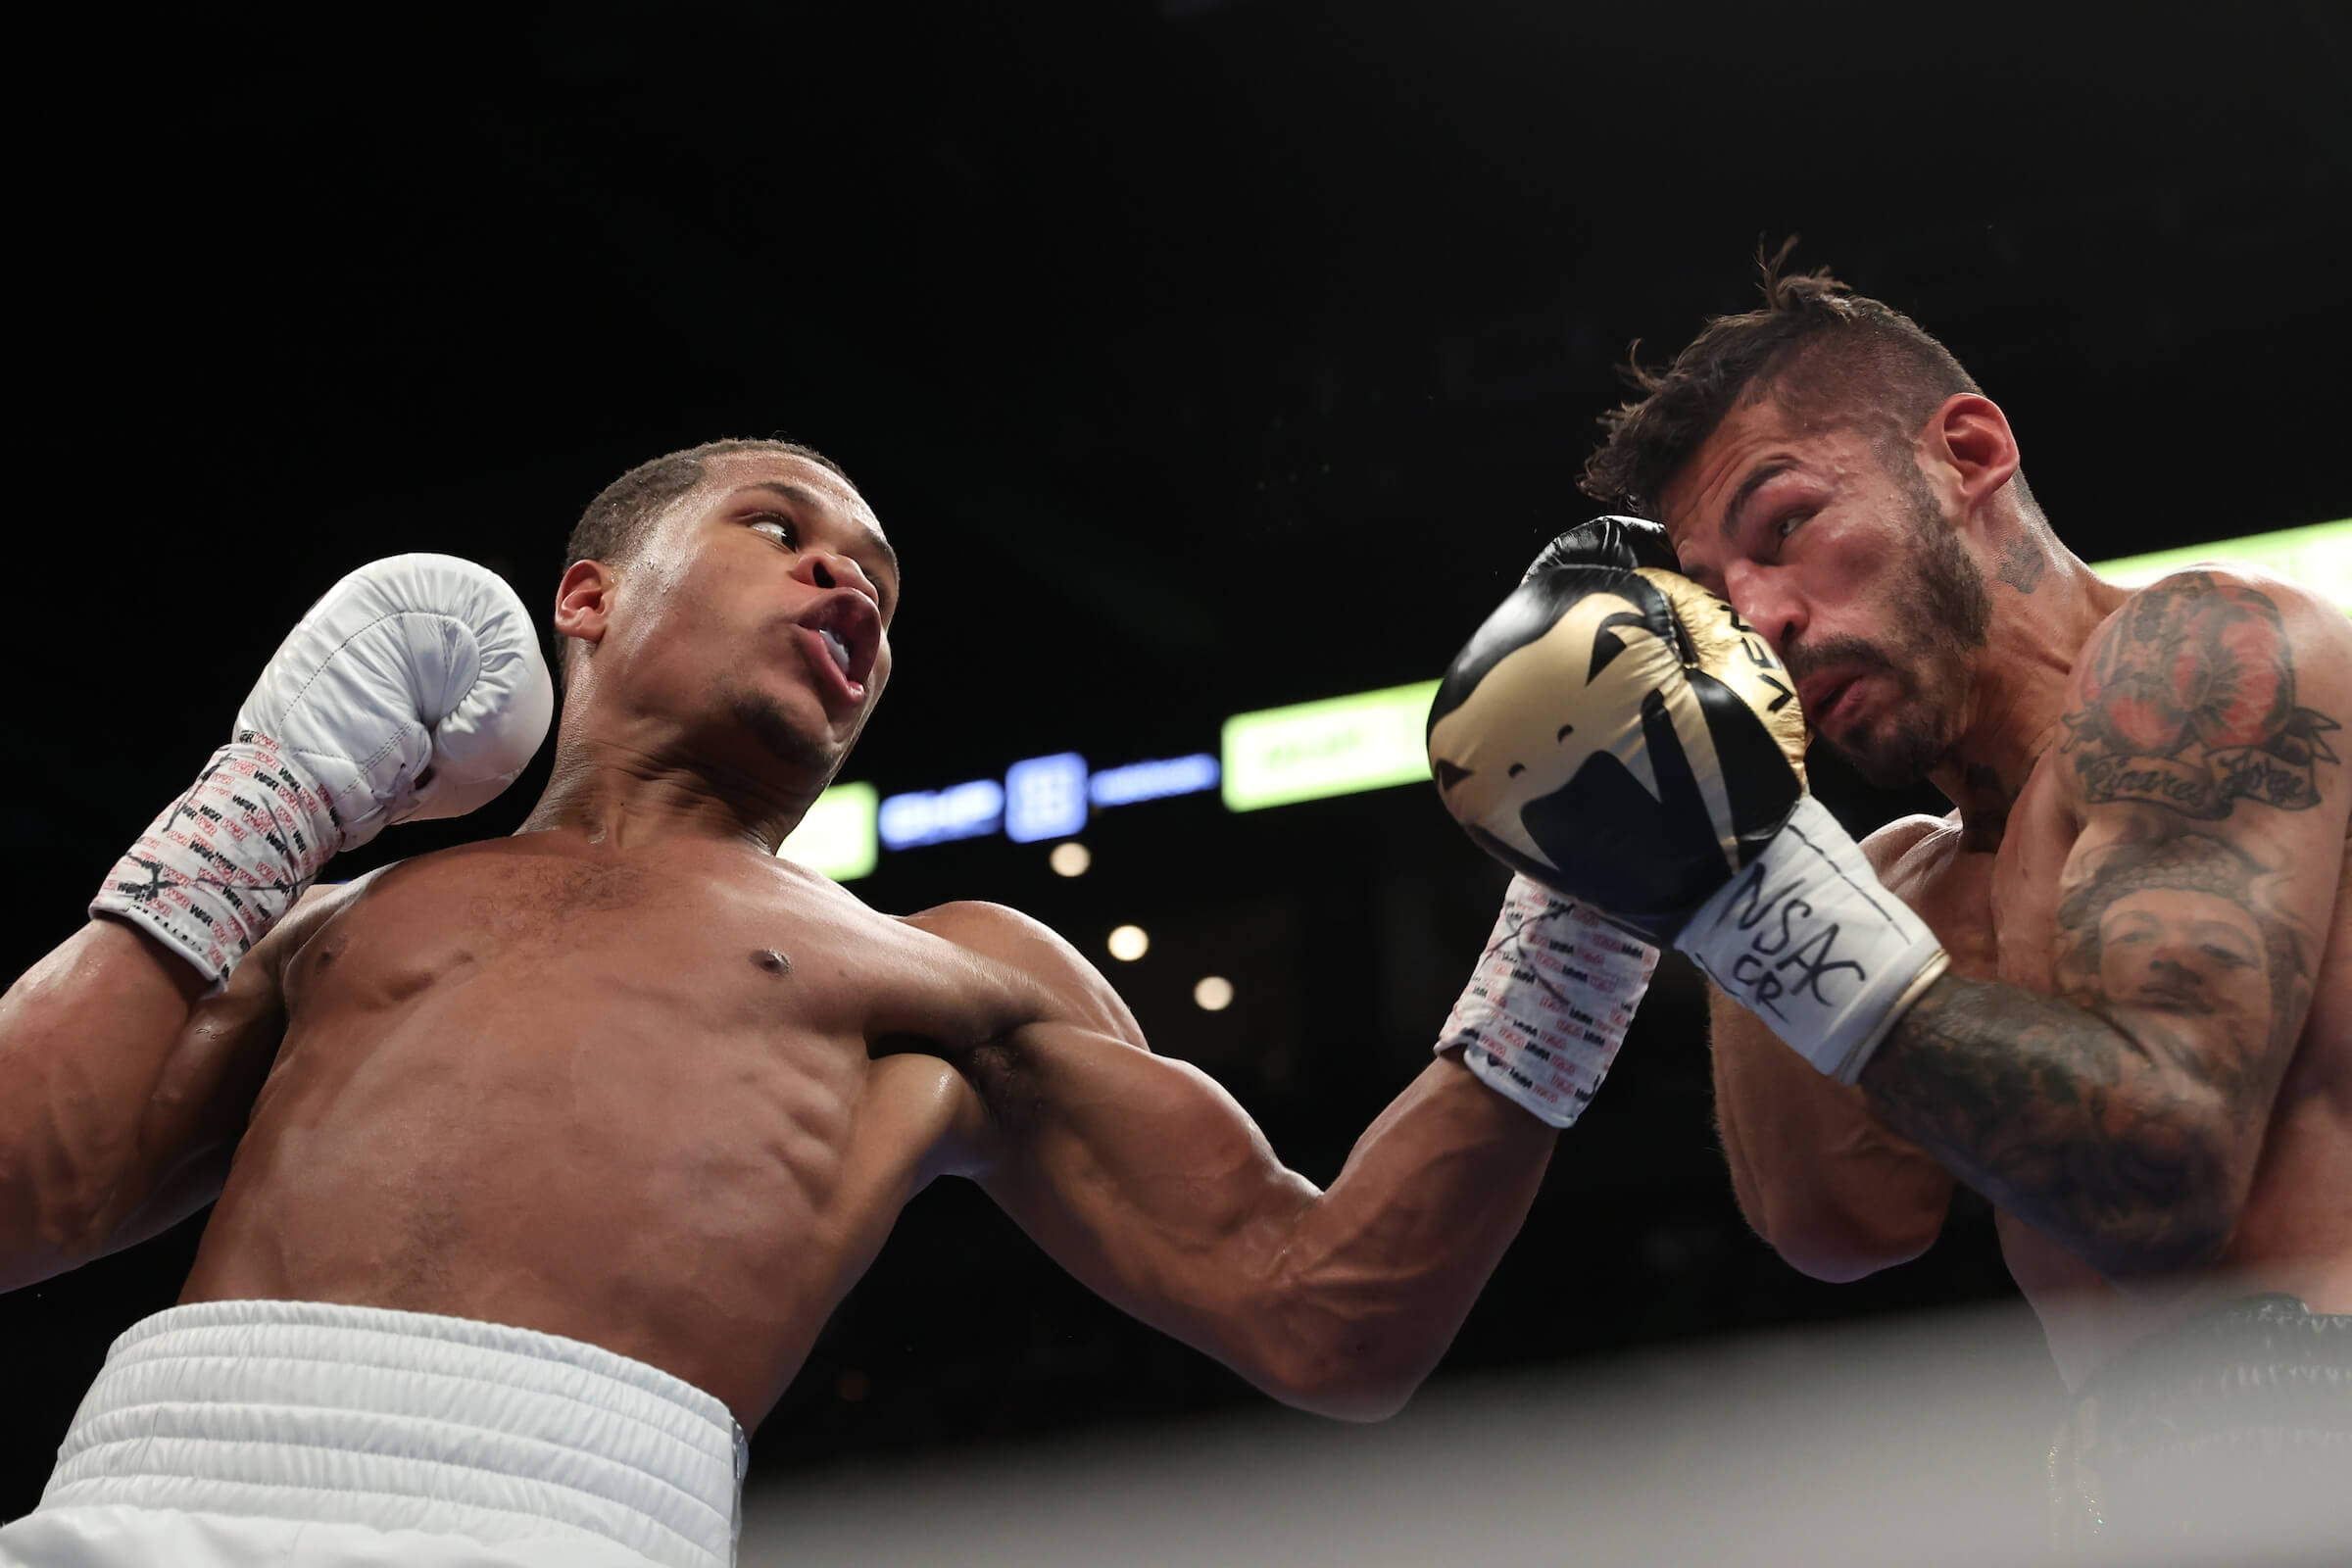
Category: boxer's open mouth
[849,626]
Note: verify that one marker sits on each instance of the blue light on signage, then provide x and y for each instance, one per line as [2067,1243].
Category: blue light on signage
[960,812]
[1148,781]
[1044,798]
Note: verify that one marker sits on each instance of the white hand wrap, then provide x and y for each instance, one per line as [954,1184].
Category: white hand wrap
[412,688]
[1808,939]
[213,873]
[1549,1002]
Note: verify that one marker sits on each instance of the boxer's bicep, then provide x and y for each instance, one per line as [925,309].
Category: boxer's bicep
[1145,1180]
[2199,755]
[1137,1174]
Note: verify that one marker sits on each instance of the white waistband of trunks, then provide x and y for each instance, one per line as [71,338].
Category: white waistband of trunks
[400,1420]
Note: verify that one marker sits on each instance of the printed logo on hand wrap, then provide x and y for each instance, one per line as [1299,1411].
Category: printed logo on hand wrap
[218,866]
[1548,1003]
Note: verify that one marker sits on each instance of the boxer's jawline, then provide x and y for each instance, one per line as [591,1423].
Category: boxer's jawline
[2096,1120]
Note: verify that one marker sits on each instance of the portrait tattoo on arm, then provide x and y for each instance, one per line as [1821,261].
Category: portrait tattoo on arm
[2093,1113]
[2122,1114]
[2189,702]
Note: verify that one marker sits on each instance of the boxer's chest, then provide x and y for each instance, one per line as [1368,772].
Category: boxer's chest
[1996,910]
[701,948]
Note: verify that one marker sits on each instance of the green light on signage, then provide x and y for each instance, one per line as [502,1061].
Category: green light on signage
[2318,557]
[837,836]
[1333,746]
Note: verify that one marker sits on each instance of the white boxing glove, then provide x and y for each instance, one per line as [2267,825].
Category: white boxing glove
[1549,1002]
[413,688]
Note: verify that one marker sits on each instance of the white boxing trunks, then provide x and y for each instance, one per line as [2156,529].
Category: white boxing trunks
[239,1434]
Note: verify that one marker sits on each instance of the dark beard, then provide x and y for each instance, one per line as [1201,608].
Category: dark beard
[1954,616]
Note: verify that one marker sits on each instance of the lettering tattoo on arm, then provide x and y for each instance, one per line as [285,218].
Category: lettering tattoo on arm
[2190,704]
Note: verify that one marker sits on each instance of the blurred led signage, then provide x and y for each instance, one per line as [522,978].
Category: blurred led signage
[959,812]
[1153,781]
[837,836]
[1044,798]
[1333,746]
[2318,557]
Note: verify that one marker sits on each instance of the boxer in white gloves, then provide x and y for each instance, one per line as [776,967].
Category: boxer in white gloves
[542,1160]
[2112,992]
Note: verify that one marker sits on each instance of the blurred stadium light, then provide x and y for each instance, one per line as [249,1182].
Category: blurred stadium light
[1336,746]
[1333,746]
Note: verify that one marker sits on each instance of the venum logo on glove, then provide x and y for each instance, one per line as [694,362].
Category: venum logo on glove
[1625,738]
[1579,741]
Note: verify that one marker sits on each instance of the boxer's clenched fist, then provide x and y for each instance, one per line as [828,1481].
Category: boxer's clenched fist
[413,688]
[1622,736]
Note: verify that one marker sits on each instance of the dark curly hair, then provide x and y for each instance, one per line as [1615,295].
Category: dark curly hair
[1821,349]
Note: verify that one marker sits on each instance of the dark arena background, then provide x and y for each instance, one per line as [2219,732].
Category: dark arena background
[1202,357]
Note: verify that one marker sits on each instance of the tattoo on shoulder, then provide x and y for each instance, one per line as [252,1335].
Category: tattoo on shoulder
[2189,702]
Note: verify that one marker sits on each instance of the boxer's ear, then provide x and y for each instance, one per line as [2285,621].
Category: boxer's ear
[1971,435]
[584,600]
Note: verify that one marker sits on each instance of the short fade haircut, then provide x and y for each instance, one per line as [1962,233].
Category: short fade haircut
[614,527]
[1820,349]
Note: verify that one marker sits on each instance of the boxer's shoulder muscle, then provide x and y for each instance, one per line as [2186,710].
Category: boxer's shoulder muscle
[1026,972]
[2196,810]
[1906,848]
[1931,865]
[2200,760]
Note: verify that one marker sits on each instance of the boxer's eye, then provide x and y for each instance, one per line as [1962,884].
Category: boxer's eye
[781,529]
[1789,524]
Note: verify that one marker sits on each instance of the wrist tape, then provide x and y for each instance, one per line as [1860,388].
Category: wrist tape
[216,869]
[1549,1002]
[1809,941]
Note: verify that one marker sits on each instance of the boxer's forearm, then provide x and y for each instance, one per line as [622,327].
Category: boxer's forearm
[83,1035]
[1817,1173]
[1376,1275]
[2120,1143]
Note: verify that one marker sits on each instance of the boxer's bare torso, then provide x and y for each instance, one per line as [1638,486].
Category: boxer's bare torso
[1995,912]
[668,1101]
[2142,1053]
[629,1078]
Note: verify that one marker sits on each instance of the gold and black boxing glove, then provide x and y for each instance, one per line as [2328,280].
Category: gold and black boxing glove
[1621,735]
